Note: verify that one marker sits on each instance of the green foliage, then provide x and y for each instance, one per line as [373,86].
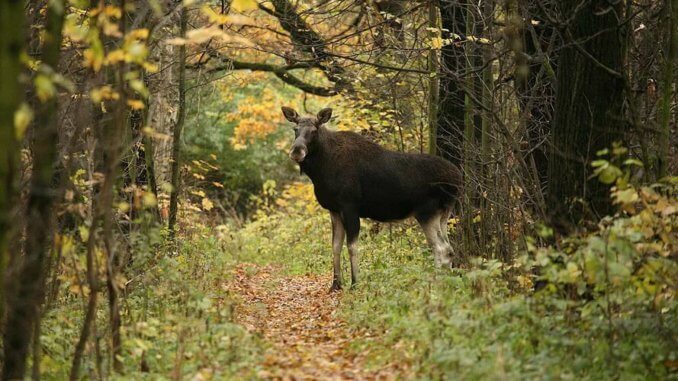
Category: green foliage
[241,169]
[177,314]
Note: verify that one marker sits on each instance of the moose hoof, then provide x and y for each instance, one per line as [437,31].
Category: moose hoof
[336,286]
[444,263]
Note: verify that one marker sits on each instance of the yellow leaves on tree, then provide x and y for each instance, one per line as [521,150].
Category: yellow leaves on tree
[244,5]
[250,129]
[256,119]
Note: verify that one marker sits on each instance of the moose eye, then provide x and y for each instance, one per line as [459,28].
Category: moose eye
[296,132]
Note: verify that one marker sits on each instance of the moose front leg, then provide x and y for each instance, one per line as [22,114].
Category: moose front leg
[351,222]
[338,236]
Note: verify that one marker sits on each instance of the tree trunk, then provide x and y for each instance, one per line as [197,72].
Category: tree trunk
[589,107]
[535,87]
[26,289]
[115,131]
[434,79]
[667,87]
[178,127]
[451,112]
[487,99]
[11,45]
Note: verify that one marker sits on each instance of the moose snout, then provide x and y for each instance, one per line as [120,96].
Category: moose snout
[298,153]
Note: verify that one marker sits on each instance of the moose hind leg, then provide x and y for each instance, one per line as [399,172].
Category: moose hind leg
[338,236]
[351,222]
[430,224]
[444,217]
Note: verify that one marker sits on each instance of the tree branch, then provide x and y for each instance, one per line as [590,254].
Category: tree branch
[281,72]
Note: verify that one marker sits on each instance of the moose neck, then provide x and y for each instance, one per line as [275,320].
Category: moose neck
[316,159]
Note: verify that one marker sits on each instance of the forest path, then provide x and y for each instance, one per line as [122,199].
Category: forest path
[296,315]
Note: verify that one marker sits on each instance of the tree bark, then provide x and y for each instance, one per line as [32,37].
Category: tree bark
[667,87]
[178,127]
[27,288]
[452,111]
[11,44]
[534,82]
[434,79]
[589,108]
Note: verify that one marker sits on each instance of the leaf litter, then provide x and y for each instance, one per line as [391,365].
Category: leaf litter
[297,317]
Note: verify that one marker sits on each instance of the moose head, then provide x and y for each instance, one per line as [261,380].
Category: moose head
[305,131]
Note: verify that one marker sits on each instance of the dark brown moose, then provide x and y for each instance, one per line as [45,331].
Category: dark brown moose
[355,178]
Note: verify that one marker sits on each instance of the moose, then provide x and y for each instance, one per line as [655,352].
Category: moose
[355,178]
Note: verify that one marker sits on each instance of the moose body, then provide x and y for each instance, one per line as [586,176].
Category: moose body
[355,178]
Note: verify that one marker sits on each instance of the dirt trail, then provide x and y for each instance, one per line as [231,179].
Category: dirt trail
[296,315]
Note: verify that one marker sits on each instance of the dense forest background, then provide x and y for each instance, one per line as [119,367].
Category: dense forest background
[153,227]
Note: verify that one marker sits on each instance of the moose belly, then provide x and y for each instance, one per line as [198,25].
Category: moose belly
[386,211]
[381,207]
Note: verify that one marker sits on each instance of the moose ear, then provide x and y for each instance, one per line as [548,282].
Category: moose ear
[290,114]
[324,115]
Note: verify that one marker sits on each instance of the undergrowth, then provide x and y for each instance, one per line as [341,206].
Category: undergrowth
[177,313]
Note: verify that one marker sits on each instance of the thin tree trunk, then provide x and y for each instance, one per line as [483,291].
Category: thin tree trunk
[667,87]
[434,79]
[90,310]
[534,81]
[178,127]
[114,142]
[11,45]
[96,165]
[27,288]
[486,125]
[469,145]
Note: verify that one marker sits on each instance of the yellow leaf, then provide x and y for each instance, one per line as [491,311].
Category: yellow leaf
[140,34]
[115,56]
[149,67]
[44,87]
[123,207]
[112,11]
[436,43]
[22,118]
[148,199]
[102,93]
[93,58]
[207,204]
[84,233]
[244,5]
[138,86]
[135,104]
